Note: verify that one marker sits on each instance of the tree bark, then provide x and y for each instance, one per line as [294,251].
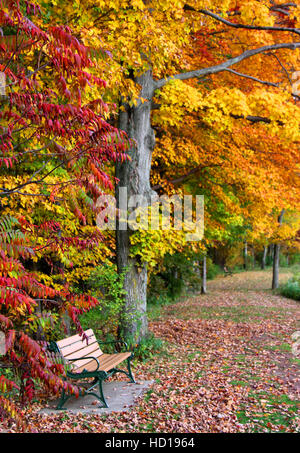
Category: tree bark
[245,256]
[134,175]
[276,256]
[263,261]
[275,279]
[203,286]
[271,252]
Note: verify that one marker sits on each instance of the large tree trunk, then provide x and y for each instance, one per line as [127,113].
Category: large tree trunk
[134,175]
[276,256]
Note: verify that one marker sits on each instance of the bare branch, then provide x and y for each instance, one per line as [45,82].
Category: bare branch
[282,66]
[247,27]
[252,78]
[256,119]
[182,178]
[226,64]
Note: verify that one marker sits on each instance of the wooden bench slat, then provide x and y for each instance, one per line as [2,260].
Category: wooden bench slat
[87,364]
[107,362]
[91,365]
[81,364]
[73,339]
[107,357]
[71,353]
[110,361]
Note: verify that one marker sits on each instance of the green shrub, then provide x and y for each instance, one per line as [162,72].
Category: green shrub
[292,288]
[284,261]
[177,273]
[212,270]
[294,259]
[106,285]
[148,347]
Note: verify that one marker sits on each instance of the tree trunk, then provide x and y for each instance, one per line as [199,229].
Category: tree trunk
[203,286]
[245,256]
[263,261]
[276,256]
[271,252]
[275,280]
[134,175]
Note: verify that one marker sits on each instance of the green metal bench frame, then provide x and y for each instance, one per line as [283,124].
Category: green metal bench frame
[98,375]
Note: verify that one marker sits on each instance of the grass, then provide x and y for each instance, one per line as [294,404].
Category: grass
[281,347]
[241,313]
[271,412]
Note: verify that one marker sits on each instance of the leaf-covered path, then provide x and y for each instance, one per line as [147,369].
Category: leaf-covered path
[227,366]
[240,333]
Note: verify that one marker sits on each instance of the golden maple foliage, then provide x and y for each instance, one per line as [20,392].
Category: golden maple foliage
[232,135]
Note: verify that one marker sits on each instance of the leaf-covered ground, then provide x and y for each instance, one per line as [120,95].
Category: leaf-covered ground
[227,366]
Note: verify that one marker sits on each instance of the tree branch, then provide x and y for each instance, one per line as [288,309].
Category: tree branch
[252,78]
[226,64]
[256,119]
[247,27]
[182,178]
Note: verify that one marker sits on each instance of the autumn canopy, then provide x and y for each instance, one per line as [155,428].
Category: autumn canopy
[158,97]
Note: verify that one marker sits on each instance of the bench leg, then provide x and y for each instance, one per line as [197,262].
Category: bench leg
[99,380]
[63,399]
[130,375]
[102,397]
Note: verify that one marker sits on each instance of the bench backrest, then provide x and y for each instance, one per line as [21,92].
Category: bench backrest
[75,347]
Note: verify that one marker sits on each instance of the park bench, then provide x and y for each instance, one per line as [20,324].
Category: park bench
[85,360]
[227,272]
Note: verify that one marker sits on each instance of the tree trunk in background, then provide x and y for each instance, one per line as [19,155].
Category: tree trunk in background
[67,324]
[275,279]
[40,334]
[271,252]
[203,286]
[245,256]
[134,175]
[263,261]
[253,256]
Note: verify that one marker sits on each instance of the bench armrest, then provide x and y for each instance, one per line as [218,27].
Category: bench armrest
[86,357]
[116,342]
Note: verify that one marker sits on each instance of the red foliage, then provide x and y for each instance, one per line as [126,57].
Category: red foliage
[80,139]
